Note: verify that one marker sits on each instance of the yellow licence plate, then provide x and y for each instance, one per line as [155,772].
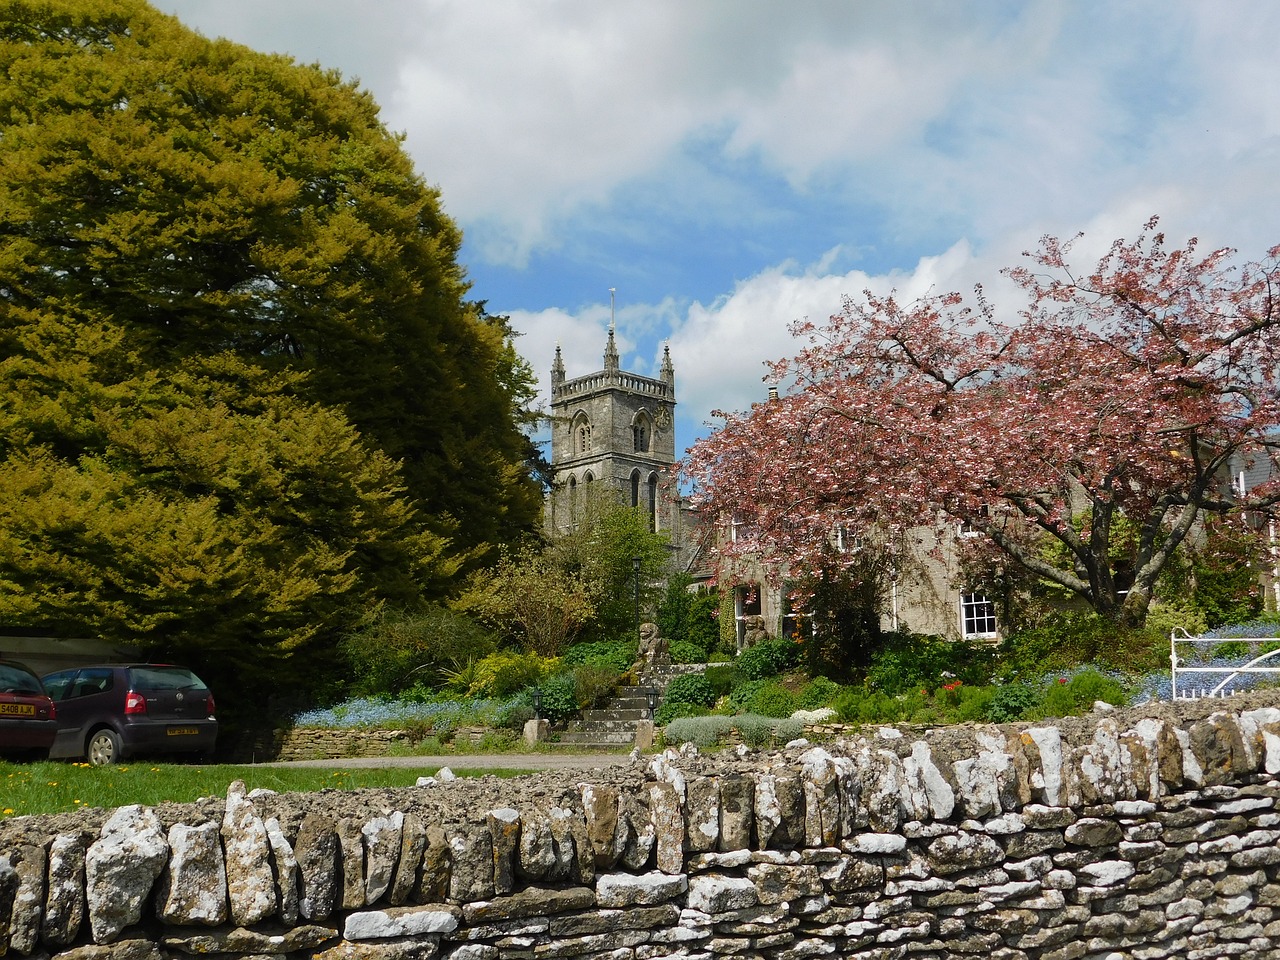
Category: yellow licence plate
[183,731]
[17,710]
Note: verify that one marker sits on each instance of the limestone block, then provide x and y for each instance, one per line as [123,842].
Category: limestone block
[471,867]
[1050,778]
[286,872]
[737,812]
[238,940]
[929,794]
[713,894]
[963,851]
[702,814]
[575,856]
[351,863]
[121,868]
[882,794]
[381,838]
[1192,771]
[605,830]
[530,902]
[28,897]
[437,867]
[536,855]
[251,887]
[646,890]
[413,843]
[193,890]
[316,850]
[641,835]
[399,922]
[667,815]
[1106,873]
[64,897]
[1260,735]
[821,798]
[504,830]
[1093,832]
[776,884]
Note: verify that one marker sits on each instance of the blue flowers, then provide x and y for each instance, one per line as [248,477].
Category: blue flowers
[373,713]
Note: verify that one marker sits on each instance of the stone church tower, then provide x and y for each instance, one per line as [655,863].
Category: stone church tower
[612,431]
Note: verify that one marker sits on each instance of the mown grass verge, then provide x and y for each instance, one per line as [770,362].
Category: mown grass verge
[51,787]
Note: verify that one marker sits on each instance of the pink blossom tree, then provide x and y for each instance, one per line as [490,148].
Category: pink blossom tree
[1114,404]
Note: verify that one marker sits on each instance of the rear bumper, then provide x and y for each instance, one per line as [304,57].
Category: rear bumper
[150,736]
[22,734]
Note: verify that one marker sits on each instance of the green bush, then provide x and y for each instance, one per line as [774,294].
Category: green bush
[1079,694]
[676,710]
[723,678]
[513,716]
[908,661]
[768,659]
[819,692]
[690,688]
[594,684]
[559,698]
[506,672]
[616,654]
[755,731]
[1011,702]
[686,651]
[1231,650]
[771,699]
[702,732]
[862,705]
[1064,641]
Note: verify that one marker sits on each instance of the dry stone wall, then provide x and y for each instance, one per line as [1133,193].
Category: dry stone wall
[1139,835]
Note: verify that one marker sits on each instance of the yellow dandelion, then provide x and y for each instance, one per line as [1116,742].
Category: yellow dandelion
[8,811]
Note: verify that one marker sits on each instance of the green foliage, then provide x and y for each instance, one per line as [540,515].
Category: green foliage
[1225,573]
[393,649]
[559,698]
[1230,650]
[702,732]
[1079,694]
[513,716]
[1065,640]
[676,709]
[594,684]
[533,600]
[723,678]
[768,658]
[1012,701]
[817,693]
[617,654]
[672,617]
[864,705]
[701,623]
[690,688]
[506,672]
[755,731]
[682,651]
[770,699]
[599,553]
[908,661]
[245,396]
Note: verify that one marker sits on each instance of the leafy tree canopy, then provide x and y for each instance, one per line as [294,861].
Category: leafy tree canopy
[1124,394]
[205,199]
[243,396]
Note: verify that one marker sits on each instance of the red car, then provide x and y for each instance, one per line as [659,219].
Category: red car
[110,712]
[28,718]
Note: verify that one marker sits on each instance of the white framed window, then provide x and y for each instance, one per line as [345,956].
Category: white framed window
[977,616]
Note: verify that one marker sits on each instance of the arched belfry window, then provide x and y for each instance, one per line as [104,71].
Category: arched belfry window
[573,499]
[581,434]
[635,488]
[653,502]
[641,432]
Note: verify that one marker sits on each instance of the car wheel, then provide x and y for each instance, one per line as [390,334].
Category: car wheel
[104,747]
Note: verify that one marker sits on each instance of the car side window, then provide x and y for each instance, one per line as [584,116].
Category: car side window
[91,681]
[57,684]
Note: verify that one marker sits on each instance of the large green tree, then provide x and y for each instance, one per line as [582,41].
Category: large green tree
[244,394]
[208,199]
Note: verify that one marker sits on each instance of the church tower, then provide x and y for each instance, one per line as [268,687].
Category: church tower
[612,431]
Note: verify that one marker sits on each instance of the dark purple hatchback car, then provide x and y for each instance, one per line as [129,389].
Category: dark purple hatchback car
[110,712]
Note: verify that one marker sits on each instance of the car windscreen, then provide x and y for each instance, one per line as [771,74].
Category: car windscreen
[16,680]
[163,678]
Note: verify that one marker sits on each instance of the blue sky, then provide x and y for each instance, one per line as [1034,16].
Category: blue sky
[731,166]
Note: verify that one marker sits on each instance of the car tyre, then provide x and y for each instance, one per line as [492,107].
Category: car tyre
[103,748]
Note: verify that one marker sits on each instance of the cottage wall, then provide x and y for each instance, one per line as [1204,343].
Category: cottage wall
[1137,834]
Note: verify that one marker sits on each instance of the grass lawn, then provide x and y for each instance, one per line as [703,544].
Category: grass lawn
[53,787]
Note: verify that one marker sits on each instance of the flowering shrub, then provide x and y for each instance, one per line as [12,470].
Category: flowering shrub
[371,713]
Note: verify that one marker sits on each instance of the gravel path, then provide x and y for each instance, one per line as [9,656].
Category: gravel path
[473,761]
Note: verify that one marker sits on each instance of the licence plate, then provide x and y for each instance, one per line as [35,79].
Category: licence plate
[17,710]
[183,731]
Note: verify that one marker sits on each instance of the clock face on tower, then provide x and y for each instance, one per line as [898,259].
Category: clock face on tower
[664,418]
